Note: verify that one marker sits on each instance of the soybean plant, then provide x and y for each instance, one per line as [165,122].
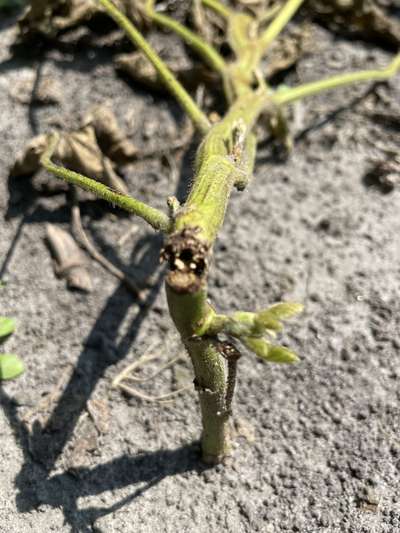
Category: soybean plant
[225,160]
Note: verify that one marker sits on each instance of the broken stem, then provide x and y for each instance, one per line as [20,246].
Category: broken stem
[225,159]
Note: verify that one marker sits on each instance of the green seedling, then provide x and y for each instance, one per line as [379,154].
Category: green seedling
[225,160]
[11,365]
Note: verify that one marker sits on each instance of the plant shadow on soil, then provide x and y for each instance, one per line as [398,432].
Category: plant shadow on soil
[43,446]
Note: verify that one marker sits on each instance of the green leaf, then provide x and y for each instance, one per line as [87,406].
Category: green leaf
[11,366]
[259,346]
[7,326]
[283,310]
[267,321]
[269,352]
[280,354]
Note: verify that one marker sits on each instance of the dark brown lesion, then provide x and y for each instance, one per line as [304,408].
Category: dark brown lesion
[232,355]
[188,259]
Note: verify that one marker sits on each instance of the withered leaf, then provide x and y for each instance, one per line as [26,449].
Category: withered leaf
[110,137]
[80,151]
[49,17]
[361,18]
[140,70]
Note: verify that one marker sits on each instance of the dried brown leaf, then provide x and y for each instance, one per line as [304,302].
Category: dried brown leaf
[110,137]
[141,71]
[361,18]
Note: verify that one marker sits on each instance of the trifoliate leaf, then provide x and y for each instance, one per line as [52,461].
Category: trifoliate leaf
[284,310]
[11,366]
[7,326]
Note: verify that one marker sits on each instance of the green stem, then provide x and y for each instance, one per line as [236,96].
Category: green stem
[279,22]
[198,118]
[287,96]
[187,311]
[218,7]
[157,219]
[217,170]
[205,50]
[226,152]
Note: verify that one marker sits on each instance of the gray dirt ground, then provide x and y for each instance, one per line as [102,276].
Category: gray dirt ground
[317,445]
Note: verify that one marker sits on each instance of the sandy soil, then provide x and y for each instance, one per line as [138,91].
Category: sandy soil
[317,445]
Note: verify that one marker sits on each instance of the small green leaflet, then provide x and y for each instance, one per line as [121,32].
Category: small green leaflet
[269,352]
[11,366]
[283,310]
[280,354]
[7,326]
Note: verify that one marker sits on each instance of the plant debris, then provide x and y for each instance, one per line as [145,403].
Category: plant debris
[358,18]
[88,245]
[109,136]
[46,92]
[137,67]
[384,175]
[69,260]
[50,17]
[286,51]
[82,150]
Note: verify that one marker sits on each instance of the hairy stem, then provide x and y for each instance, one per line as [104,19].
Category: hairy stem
[198,118]
[218,7]
[205,50]
[157,219]
[279,22]
[288,96]
[187,311]
[225,154]
[220,164]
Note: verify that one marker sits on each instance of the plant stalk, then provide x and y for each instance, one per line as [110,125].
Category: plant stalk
[225,154]
[187,311]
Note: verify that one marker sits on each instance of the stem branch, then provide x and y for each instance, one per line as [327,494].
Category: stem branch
[279,22]
[218,7]
[205,50]
[288,96]
[157,219]
[198,118]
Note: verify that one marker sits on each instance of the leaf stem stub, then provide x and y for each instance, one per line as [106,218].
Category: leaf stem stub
[188,260]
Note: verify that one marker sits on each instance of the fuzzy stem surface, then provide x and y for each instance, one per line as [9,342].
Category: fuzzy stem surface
[198,118]
[157,219]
